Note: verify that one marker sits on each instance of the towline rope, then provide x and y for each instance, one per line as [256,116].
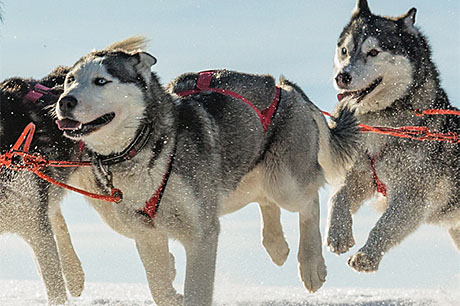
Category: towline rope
[421,133]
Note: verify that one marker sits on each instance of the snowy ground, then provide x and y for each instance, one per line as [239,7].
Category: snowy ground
[30,293]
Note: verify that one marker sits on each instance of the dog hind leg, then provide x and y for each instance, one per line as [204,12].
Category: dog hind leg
[311,262]
[272,233]
[455,235]
[71,265]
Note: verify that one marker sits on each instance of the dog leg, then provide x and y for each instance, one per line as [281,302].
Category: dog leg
[455,235]
[201,253]
[71,265]
[272,234]
[41,239]
[403,215]
[346,201]
[311,262]
[154,253]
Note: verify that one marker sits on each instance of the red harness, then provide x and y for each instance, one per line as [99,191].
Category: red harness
[381,187]
[16,159]
[203,84]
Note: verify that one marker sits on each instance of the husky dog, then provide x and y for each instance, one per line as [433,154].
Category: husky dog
[203,155]
[383,70]
[29,206]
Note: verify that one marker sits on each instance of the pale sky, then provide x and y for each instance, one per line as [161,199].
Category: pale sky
[292,38]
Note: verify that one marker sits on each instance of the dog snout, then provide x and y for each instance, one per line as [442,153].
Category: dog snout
[67,104]
[343,79]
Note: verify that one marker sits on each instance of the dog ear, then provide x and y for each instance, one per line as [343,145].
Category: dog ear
[361,8]
[145,61]
[409,18]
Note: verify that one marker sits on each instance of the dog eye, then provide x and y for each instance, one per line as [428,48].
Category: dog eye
[70,79]
[100,81]
[344,51]
[373,53]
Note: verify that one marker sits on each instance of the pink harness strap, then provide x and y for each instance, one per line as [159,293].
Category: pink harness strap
[203,84]
[37,92]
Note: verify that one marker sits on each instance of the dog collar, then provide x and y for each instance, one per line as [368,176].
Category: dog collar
[37,92]
[131,150]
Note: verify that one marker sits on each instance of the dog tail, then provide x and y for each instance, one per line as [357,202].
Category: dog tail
[338,147]
[338,140]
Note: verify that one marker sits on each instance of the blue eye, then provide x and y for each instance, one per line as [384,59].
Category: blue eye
[70,79]
[100,81]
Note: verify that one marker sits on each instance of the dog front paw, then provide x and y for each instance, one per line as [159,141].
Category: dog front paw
[313,273]
[363,262]
[340,237]
[74,277]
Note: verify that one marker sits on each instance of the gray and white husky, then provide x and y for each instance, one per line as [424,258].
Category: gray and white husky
[200,156]
[383,70]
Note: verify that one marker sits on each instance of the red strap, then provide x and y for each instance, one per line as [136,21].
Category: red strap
[436,112]
[381,187]
[267,114]
[151,206]
[27,136]
[415,132]
[35,162]
[204,81]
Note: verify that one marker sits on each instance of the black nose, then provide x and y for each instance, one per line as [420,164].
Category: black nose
[343,79]
[67,104]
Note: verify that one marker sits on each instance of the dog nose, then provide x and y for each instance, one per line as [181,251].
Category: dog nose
[343,79]
[67,104]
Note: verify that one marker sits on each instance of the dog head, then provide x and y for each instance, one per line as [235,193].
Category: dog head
[104,96]
[374,59]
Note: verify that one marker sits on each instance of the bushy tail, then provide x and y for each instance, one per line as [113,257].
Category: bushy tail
[338,141]
[344,134]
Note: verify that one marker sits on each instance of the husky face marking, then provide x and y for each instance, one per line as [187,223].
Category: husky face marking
[93,106]
[370,72]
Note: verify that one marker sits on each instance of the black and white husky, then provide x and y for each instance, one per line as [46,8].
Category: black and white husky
[383,70]
[182,163]
[29,206]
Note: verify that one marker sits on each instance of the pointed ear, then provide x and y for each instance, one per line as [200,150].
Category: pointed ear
[361,8]
[145,61]
[409,18]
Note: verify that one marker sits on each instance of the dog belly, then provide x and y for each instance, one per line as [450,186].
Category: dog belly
[248,190]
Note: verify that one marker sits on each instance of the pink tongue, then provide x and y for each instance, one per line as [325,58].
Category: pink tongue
[340,97]
[68,124]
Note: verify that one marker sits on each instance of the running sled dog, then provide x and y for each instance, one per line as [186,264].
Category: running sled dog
[384,71]
[182,162]
[29,206]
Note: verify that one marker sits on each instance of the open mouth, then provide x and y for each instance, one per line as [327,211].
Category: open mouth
[73,128]
[360,94]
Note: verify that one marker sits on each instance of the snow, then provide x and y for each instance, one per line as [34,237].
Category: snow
[27,293]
